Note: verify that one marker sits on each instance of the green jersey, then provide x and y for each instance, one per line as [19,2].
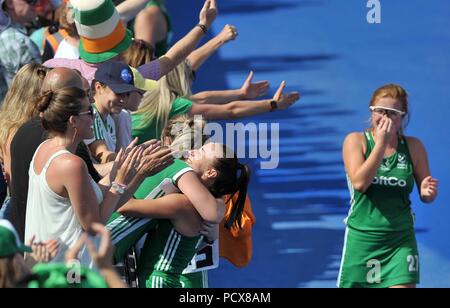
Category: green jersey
[126,231]
[385,205]
[148,129]
[380,248]
[166,253]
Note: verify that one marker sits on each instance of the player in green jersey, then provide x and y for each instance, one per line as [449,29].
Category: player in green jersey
[380,248]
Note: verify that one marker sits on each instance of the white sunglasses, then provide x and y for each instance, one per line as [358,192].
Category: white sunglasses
[389,111]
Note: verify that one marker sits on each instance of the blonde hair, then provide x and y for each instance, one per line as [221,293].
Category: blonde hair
[185,133]
[19,103]
[156,104]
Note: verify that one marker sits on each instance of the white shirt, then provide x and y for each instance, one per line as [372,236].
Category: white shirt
[52,217]
[66,51]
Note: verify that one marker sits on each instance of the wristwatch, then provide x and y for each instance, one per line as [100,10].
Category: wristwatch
[273,105]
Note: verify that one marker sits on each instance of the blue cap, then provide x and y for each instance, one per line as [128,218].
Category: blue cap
[116,75]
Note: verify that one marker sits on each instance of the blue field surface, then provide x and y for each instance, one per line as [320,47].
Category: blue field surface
[328,51]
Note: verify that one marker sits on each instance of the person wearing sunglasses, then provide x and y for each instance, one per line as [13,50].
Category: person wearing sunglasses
[382,165]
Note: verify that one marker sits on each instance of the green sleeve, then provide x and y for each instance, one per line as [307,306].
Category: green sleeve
[180,106]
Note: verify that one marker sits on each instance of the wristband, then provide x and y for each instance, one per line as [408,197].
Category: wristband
[203,27]
[273,105]
[119,188]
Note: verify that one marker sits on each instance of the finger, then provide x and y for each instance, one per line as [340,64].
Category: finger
[155,149]
[91,248]
[249,78]
[213,4]
[31,240]
[119,156]
[133,143]
[279,91]
[427,179]
[162,152]
[130,156]
[72,253]
[206,5]
[150,142]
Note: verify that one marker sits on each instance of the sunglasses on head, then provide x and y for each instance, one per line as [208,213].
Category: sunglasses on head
[90,112]
[390,112]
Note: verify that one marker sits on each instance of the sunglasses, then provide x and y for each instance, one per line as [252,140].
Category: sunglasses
[390,112]
[90,112]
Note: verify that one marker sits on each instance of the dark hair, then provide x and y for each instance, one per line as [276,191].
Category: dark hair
[57,106]
[229,183]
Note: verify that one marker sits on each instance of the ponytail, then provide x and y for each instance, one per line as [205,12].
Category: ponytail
[229,183]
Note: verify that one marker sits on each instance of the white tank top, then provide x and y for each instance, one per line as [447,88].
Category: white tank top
[50,216]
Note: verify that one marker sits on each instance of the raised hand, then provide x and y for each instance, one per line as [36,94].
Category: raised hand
[283,100]
[228,33]
[252,90]
[385,131]
[429,189]
[208,13]
[154,160]
[127,168]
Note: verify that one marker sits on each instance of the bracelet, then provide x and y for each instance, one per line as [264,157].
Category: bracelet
[119,188]
[203,27]
[273,105]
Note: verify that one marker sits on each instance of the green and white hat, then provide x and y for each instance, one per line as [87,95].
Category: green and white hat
[102,32]
[10,243]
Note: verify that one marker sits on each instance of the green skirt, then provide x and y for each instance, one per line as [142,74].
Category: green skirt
[378,259]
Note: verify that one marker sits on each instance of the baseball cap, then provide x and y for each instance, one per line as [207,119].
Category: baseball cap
[10,243]
[116,75]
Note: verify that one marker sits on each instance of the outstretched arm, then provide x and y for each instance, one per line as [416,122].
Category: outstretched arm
[248,91]
[240,109]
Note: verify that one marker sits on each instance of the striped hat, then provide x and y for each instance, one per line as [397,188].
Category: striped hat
[102,33]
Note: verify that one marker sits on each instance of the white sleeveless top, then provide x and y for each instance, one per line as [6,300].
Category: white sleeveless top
[50,216]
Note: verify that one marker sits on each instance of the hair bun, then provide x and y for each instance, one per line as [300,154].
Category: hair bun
[44,101]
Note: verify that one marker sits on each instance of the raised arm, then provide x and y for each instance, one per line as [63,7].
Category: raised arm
[360,170]
[187,44]
[201,54]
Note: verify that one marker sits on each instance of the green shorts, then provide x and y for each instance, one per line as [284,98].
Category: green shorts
[378,259]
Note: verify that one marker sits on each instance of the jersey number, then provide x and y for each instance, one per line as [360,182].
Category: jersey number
[413,263]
